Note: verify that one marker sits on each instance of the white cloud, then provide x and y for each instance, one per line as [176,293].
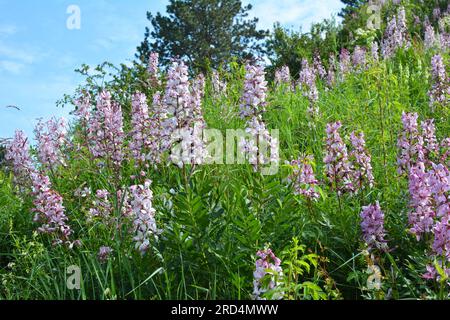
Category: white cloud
[23,55]
[11,66]
[117,29]
[293,13]
[7,30]
[15,59]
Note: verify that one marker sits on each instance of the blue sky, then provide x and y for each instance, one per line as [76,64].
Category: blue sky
[38,53]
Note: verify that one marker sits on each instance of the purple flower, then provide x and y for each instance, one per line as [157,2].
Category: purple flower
[410,143]
[182,130]
[445,151]
[177,99]
[17,152]
[105,131]
[83,110]
[374,49]
[430,143]
[139,123]
[282,76]
[160,128]
[331,74]
[344,63]
[104,253]
[430,40]
[153,69]
[258,143]
[144,216]
[359,57]
[219,86]
[253,101]
[372,226]
[422,214]
[432,273]
[307,82]
[197,94]
[102,207]
[50,137]
[49,209]
[444,40]
[187,142]
[82,193]
[436,13]
[362,167]
[303,178]
[337,164]
[190,148]
[440,90]
[145,143]
[440,188]
[319,69]
[441,244]
[396,35]
[267,274]
[253,104]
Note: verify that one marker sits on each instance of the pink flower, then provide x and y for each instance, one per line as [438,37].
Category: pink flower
[445,151]
[440,188]
[49,209]
[359,57]
[153,69]
[372,226]
[331,75]
[219,86]
[319,69]
[374,49]
[104,253]
[307,82]
[50,137]
[102,207]
[440,91]
[177,99]
[182,130]
[141,138]
[144,216]
[258,144]
[422,214]
[430,40]
[106,134]
[253,101]
[197,94]
[361,159]
[441,244]
[282,76]
[83,110]
[17,152]
[410,143]
[396,35]
[337,164]
[267,274]
[303,178]
[430,143]
[191,147]
[344,63]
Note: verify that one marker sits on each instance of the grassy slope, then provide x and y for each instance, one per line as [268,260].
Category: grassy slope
[217,220]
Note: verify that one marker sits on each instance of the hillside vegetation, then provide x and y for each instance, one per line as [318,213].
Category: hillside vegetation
[357,205]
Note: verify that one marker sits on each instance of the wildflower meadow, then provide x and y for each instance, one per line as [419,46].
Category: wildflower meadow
[251,180]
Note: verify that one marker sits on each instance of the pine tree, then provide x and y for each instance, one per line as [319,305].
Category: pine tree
[204,32]
[351,6]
